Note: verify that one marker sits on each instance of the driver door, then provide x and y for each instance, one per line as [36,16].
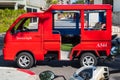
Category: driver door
[27,36]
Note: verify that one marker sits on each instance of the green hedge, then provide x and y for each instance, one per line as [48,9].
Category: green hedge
[66,47]
[7,17]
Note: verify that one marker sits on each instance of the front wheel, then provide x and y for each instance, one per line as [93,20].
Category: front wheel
[88,59]
[25,60]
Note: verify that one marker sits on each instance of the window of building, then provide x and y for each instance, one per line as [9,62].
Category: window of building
[33,20]
[29,10]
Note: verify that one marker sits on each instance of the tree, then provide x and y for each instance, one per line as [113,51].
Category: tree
[79,2]
[49,2]
[54,2]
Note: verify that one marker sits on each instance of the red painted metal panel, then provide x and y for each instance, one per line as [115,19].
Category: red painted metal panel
[44,40]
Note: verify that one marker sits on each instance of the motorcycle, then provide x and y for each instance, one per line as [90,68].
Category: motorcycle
[115,45]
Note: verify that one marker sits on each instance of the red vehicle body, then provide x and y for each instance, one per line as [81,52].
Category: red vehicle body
[28,46]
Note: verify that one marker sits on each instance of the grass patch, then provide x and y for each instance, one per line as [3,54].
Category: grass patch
[66,47]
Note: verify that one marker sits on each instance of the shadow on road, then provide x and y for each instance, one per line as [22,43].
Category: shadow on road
[6,63]
[114,71]
[111,64]
[56,63]
[115,74]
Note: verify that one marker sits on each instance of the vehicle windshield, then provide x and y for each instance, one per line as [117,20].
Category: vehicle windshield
[26,25]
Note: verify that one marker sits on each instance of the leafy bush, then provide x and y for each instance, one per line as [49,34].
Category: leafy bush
[7,17]
[66,47]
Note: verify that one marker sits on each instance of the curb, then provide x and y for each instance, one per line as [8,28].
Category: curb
[7,73]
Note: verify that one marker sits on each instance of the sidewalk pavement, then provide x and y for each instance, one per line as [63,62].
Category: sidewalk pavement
[17,74]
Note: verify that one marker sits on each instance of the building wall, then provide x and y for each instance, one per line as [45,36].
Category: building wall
[23,4]
[116,18]
[97,1]
[36,3]
[116,5]
[17,1]
[116,12]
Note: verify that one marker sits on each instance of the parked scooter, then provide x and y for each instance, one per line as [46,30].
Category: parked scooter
[84,73]
[115,45]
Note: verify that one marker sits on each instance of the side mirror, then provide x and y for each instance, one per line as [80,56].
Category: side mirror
[13,31]
[47,75]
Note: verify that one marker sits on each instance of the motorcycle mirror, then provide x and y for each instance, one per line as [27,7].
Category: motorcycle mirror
[114,36]
[47,75]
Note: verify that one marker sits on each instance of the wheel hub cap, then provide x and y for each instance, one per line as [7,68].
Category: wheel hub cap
[24,61]
[88,61]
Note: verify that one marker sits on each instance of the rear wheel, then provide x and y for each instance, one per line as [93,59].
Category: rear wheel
[25,60]
[88,59]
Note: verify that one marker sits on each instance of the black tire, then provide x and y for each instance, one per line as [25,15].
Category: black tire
[88,56]
[22,63]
